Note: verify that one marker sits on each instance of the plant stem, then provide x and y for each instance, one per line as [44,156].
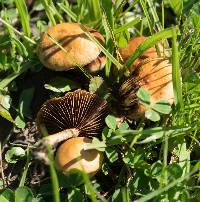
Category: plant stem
[54,178]
[17,32]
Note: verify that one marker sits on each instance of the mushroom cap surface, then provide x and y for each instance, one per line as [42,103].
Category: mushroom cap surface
[80,49]
[133,45]
[80,109]
[155,76]
[71,155]
[97,65]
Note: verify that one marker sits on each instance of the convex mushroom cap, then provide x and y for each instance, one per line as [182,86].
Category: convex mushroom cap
[72,155]
[153,74]
[79,113]
[133,45]
[80,50]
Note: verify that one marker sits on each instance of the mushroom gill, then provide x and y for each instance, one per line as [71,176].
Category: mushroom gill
[78,113]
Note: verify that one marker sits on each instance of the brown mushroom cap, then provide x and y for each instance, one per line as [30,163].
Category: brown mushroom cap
[154,74]
[97,64]
[71,155]
[79,109]
[133,45]
[80,49]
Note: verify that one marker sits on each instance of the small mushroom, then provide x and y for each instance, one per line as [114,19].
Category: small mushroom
[78,113]
[150,72]
[72,155]
[80,50]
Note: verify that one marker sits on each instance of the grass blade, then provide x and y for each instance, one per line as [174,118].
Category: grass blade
[176,76]
[108,55]
[68,11]
[127,25]
[151,41]
[48,11]
[24,174]
[6,81]
[17,32]
[119,8]
[24,16]
[94,9]
[144,7]
[164,189]
[154,14]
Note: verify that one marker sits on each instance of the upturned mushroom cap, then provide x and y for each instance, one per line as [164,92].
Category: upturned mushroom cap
[80,109]
[133,45]
[71,155]
[155,76]
[80,49]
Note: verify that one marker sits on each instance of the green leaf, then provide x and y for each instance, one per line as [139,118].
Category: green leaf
[11,154]
[61,85]
[123,38]
[96,144]
[152,115]
[7,196]
[111,154]
[6,115]
[117,196]
[19,122]
[124,126]
[105,169]
[99,87]
[144,96]
[162,106]
[75,195]
[72,179]
[111,122]
[107,133]
[95,84]
[25,102]
[175,171]
[3,59]
[177,6]
[23,194]
[156,169]
[5,101]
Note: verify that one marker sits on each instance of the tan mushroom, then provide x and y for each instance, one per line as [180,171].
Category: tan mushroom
[151,72]
[133,45]
[80,50]
[78,113]
[72,155]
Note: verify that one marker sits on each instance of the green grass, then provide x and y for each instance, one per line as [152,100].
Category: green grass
[143,161]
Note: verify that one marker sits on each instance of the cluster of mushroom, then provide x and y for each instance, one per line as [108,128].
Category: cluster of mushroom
[150,71]
[74,118]
[78,116]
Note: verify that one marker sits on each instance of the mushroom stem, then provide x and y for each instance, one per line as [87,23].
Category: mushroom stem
[56,138]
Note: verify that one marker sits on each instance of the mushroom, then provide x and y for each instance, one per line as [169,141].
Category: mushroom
[72,155]
[150,72]
[80,50]
[133,45]
[78,113]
